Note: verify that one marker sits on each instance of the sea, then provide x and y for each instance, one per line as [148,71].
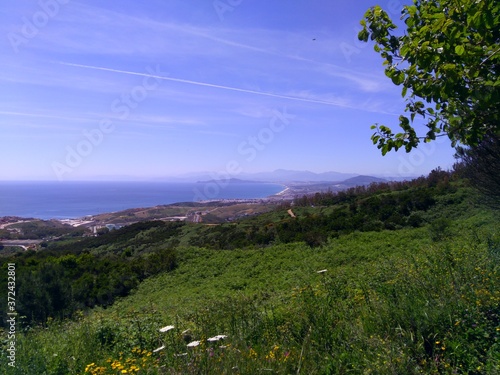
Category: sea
[68,200]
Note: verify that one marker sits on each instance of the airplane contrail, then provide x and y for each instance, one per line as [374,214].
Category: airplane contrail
[197,83]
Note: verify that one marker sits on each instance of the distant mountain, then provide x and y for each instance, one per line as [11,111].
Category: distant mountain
[303,188]
[193,177]
[279,175]
[284,175]
[230,181]
[362,180]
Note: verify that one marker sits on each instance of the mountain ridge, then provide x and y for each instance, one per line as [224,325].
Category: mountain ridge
[278,175]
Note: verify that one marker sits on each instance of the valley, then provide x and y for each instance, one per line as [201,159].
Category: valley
[393,277]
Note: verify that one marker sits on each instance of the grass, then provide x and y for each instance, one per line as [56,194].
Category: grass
[390,302]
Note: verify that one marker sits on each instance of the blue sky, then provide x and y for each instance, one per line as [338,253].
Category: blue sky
[128,89]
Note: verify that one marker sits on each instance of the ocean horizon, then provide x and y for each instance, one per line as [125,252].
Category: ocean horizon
[69,200]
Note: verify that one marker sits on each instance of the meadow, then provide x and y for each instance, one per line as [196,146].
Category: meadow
[389,299]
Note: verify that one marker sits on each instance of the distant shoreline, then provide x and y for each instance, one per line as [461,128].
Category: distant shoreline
[282,192]
[52,201]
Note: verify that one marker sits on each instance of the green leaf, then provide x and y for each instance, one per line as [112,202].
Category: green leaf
[437,16]
[404,50]
[459,50]
[398,77]
[363,35]
[385,148]
[403,92]
[448,67]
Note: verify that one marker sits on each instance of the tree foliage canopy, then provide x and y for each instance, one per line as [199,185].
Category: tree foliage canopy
[447,62]
[481,165]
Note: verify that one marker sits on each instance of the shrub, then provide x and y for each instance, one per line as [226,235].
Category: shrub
[439,229]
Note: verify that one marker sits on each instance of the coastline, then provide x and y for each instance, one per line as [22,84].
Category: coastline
[282,192]
[52,201]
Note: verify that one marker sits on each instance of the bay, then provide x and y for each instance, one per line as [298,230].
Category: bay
[67,200]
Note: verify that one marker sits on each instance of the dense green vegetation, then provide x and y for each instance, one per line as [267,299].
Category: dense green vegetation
[404,280]
[38,229]
[391,205]
[68,276]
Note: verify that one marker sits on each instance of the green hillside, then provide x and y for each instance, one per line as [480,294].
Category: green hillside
[394,278]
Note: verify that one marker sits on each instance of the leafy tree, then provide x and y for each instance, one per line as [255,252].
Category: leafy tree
[481,165]
[447,62]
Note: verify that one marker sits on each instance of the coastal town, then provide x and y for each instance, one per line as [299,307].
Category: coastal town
[32,233]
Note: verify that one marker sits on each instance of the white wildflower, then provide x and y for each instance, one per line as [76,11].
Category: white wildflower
[217,338]
[166,329]
[158,349]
